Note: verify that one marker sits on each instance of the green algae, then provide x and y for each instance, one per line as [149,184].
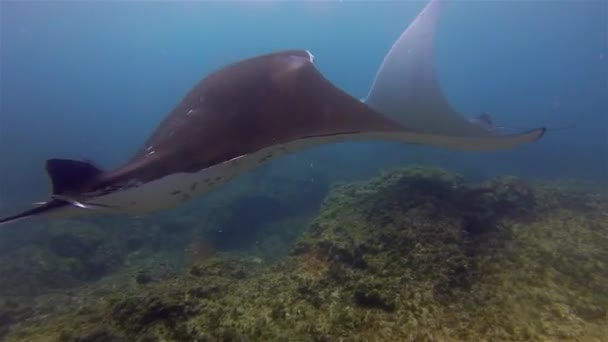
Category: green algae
[416,254]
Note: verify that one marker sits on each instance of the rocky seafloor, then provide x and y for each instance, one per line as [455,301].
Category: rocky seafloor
[415,254]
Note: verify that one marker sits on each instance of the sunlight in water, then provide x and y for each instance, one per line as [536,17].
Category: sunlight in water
[310,7]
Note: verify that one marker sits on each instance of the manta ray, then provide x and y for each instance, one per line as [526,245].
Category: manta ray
[257,109]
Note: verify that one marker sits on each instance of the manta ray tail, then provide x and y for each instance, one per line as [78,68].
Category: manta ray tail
[406,89]
[67,177]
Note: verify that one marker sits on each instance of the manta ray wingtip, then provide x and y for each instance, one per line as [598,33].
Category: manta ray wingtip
[542,131]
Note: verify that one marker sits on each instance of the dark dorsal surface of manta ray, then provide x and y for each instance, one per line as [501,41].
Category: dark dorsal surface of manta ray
[257,109]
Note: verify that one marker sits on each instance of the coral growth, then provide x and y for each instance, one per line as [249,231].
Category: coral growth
[198,251]
[416,254]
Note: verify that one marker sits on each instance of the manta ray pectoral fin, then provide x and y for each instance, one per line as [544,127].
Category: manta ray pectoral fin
[406,89]
[69,178]
[468,143]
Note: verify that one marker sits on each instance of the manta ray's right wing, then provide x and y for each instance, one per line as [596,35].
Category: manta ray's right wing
[406,89]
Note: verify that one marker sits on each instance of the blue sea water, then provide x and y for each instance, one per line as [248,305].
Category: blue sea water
[91,79]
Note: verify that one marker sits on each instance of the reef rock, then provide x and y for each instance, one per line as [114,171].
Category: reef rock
[416,254]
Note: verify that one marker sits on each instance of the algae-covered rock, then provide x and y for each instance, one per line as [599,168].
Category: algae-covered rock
[98,334]
[62,256]
[416,254]
[78,241]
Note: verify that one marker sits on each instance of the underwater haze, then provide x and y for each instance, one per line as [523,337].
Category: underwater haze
[358,240]
[93,79]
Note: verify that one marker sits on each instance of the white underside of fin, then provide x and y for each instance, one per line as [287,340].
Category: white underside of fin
[177,188]
[406,87]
